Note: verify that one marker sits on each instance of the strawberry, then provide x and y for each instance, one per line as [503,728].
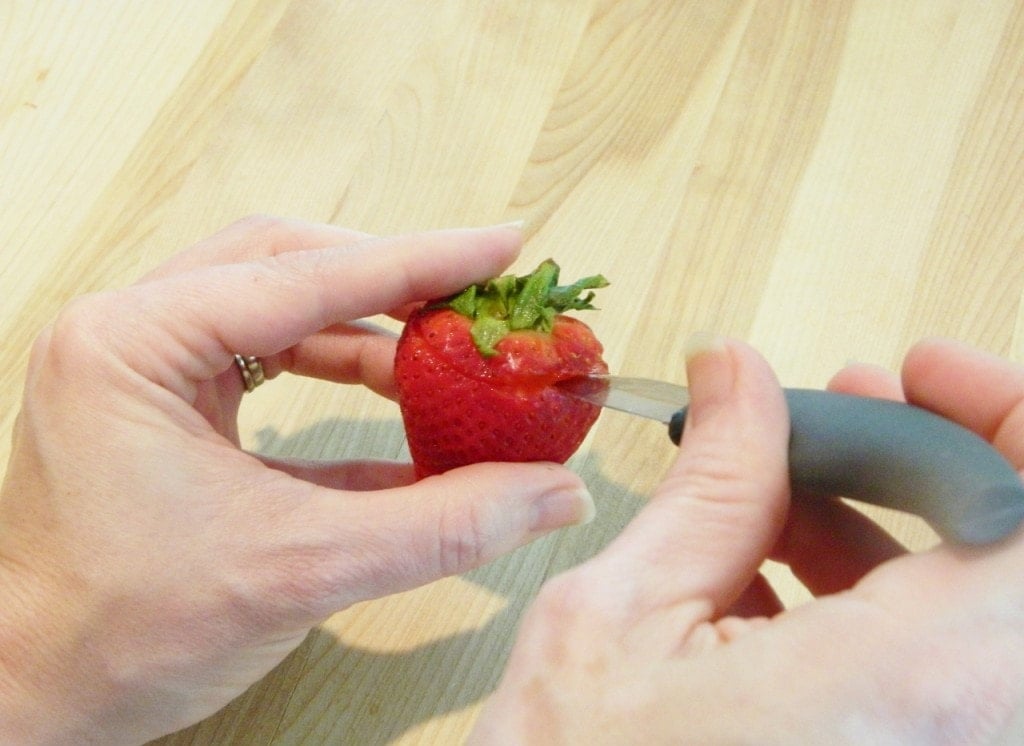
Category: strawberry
[476,372]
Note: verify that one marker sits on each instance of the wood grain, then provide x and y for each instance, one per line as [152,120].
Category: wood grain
[829,180]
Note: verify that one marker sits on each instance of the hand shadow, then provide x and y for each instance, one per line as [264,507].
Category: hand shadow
[331,692]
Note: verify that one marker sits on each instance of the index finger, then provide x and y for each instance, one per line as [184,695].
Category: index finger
[254,237]
[203,317]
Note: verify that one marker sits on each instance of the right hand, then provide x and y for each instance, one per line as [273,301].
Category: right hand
[671,636]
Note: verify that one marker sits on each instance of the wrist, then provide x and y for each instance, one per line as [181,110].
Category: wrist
[19,702]
[40,659]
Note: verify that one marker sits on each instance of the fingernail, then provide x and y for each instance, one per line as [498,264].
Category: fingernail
[517,224]
[702,342]
[709,371]
[565,507]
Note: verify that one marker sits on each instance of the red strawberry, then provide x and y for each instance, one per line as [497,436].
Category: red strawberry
[476,372]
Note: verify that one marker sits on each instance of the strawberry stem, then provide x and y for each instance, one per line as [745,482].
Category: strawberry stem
[509,303]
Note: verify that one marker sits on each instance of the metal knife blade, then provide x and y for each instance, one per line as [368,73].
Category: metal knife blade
[646,397]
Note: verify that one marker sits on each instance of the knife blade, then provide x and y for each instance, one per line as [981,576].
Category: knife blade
[645,397]
[876,451]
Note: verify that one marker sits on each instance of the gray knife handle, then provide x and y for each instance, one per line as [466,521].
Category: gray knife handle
[899,456]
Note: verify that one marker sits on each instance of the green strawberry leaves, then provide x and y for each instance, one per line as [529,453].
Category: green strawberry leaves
[510,303]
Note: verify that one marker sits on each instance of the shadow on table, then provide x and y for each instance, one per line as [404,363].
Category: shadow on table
[359,696]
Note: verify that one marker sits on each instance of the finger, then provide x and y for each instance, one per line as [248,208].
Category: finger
[758,599]
[981,391]
[830,546]
[255,237]
[330,358]
[291,297]
[402,313]
[345,353]
[709,526]
[861,379]
[446,524]
[357,476]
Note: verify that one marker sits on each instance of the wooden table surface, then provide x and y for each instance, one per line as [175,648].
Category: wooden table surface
[828,180]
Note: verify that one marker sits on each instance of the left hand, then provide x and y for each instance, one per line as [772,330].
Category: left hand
[150,569]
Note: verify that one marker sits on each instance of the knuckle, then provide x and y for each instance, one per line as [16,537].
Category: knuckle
[718,471]
[71,367]
[309,567]
[720,487]
[277,234]
[258,224]
[565,598]
[305,272]
[39,350]
[302,581]
[566,617]
[79,333]
[463,539]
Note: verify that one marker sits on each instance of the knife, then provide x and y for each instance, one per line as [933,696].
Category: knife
[873,450]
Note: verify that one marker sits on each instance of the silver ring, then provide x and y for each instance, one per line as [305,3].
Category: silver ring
[252,371]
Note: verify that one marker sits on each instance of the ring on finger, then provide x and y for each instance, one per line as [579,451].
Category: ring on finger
[252,371]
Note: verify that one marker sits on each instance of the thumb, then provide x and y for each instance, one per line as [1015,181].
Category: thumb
[716,515]
[396,539]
